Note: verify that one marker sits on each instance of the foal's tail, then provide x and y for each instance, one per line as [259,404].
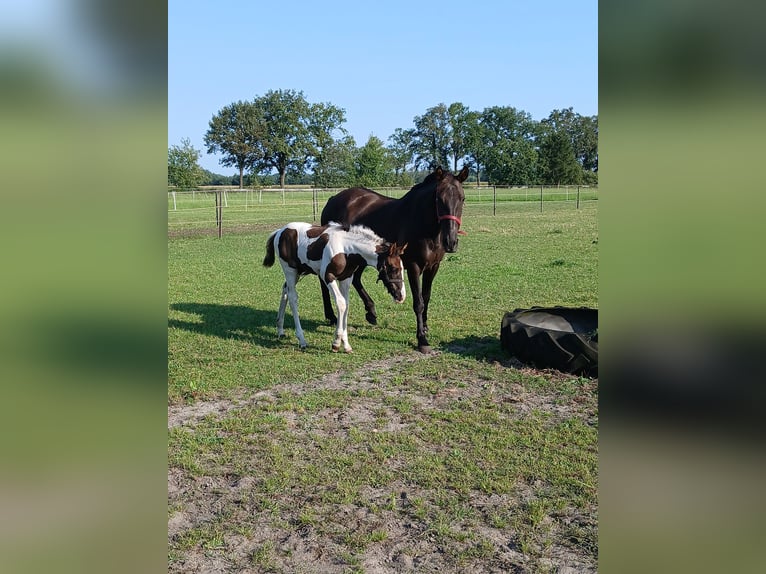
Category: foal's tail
[268,261]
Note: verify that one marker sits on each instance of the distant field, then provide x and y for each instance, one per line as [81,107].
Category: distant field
[194,211]
[382,460]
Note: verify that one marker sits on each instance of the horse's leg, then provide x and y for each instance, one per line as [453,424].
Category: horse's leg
[292,297]
[345,289]
[341,302]
[329,314]
[369,304]
[413,275]
[428,278]
[281,313]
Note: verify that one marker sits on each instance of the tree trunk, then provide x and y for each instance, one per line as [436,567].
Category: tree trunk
[282,179]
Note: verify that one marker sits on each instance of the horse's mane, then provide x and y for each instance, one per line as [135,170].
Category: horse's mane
[358,233]
[418,187]
[427,181]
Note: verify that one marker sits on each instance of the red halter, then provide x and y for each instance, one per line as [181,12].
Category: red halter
[454,218]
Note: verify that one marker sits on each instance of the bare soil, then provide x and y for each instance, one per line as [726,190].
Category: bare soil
[257,542]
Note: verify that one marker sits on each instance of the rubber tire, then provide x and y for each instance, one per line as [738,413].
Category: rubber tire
[561,338]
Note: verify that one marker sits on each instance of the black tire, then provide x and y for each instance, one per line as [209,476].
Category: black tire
[561,338]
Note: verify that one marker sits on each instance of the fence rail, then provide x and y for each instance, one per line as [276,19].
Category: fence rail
[211,210]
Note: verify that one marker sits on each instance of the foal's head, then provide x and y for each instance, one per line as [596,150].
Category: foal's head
[391,269]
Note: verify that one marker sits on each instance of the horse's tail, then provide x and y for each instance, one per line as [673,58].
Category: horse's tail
[268,261]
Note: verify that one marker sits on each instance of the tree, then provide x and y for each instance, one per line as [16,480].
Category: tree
[507,145]
[373,165]
[442,135]
[558,164]
[234,132]
[586,148]
[461,121]
[334,167]
[582,132]
[293,131]
[431,138]
[183,170]
[401,154]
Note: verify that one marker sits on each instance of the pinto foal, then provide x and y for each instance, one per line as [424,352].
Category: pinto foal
[334,253]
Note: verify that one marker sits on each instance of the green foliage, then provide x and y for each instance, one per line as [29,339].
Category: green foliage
[233,132]
[334,167]
[506,144]
[401,154]
[183,170]
[558,164]
[582,132]
[281,132]
[294,131]
[461,120]
[373,164]
[431,140]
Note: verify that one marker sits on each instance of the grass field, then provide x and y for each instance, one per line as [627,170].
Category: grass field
[197,210]
[383,460]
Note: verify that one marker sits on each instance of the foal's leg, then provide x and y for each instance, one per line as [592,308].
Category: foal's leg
[413,275]
[281,313]
[369,304]
[292,297]
[329,314]
[345,289]
[340,294]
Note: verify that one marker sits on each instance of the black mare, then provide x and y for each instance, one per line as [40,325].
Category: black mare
[426,219]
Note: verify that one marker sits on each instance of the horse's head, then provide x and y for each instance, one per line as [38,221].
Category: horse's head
[449,205]
[391,269]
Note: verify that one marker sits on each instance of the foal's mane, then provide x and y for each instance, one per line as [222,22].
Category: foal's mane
[358,233]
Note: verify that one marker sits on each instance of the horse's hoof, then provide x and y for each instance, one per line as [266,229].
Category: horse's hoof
[372,319]
[303,347]
[425,349]
[348,351]
[332,322]
[335,348]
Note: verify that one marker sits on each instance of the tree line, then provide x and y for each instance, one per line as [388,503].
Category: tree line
[281,138]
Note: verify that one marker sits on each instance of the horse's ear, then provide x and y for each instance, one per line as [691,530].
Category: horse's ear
[463,175]
[396,250]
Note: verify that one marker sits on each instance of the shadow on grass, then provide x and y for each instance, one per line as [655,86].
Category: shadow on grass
[480,348]
[238,322]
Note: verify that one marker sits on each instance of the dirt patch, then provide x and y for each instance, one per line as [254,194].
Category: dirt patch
[189,415]
[225,517]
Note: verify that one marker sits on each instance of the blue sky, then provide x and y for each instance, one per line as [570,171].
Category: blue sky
[383,62]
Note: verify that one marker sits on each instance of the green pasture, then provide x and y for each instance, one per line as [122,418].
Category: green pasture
[223,302]
[491,466]
[196,210]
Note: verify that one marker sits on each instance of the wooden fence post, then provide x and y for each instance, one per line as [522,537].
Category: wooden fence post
[219,212]
[494,200]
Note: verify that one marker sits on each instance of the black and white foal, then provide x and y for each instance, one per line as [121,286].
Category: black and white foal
[334,253]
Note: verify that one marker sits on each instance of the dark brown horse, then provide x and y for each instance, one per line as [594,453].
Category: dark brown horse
[427,219]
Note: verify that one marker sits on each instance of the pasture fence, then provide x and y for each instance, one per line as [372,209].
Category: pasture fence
[210,210]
